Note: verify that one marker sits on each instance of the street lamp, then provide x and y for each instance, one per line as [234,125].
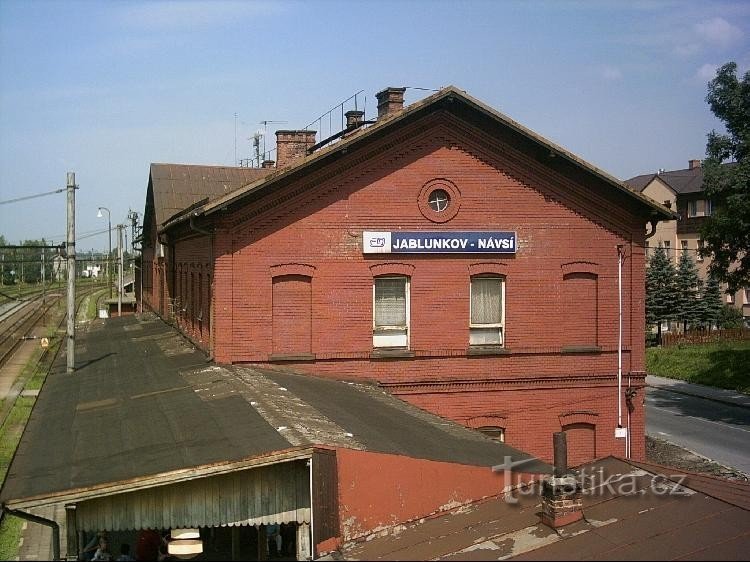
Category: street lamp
[109,255]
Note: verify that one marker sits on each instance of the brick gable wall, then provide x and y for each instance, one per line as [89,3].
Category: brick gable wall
[563,229]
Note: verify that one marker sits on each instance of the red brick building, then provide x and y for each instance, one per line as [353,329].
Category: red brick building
[466,264]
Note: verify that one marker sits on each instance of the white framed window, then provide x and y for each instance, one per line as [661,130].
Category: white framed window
[700,208]
[730,298]
[390,311]
[684,245]
[494,432]
[487,310]
[699,257]
[668,248]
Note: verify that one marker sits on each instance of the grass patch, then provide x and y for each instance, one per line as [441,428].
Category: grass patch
[10,533]
[10,435]
[721,364]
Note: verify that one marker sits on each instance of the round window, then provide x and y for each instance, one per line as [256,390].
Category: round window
[439,200]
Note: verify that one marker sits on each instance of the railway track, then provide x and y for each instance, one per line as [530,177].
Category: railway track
[14,330]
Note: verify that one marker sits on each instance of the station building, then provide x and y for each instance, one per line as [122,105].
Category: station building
[459,260]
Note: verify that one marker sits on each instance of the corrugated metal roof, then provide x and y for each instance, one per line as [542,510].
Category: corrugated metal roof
[145,409]
[274,494]
[629,514]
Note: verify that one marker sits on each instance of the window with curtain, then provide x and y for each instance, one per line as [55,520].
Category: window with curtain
[390,311]
[487,310]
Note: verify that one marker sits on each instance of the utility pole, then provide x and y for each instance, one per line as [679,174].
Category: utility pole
[120,228]
[71,254]
[44,284]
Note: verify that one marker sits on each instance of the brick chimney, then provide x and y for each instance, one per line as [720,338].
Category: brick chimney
[353,118]
[390,100]
[562,497]
[693,164]
[291,145]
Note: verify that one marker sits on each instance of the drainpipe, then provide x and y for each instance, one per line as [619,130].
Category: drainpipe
[620,432]
[42,521]
[312,522]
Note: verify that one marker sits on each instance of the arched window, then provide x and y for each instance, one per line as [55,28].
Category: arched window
[390,311]
[487,310]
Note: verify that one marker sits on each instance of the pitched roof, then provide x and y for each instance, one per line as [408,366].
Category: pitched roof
[144,406]
[177,187]
[632,511]
[453,100]
[682,182]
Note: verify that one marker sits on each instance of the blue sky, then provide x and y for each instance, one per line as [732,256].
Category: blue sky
[105,88]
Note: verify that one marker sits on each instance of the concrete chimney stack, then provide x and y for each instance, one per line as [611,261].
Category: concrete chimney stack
[292,145]
[390,101]
[562,495]
[693,164]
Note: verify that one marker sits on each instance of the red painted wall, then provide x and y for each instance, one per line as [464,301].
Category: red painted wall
[403,489]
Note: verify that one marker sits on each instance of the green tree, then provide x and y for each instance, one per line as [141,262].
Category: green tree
[730,317]
[726,233]
[711,302]
[661,291]
[689,286]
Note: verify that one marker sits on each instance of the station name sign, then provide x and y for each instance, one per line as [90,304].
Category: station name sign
[399,242]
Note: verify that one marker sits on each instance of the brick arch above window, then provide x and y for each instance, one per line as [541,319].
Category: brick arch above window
[582,417]
[392,268]
[497,420]
[580,267]
[302,269]
[483,268]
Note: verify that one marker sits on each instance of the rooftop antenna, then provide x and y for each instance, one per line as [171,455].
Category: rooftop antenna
[235,138]
[256,144]
[265,134]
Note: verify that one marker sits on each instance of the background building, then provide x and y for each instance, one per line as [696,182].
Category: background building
[682,190]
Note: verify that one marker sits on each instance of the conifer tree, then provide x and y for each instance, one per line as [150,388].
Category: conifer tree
[711,302]
[660,290]
[689,286]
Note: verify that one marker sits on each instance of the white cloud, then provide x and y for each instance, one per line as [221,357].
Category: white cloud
[718,31]
[706,72]
[611,73]
[181,15]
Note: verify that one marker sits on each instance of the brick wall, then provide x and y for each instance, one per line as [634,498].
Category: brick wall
[563,229]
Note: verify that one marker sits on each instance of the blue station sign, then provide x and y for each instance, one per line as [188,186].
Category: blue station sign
[399,242]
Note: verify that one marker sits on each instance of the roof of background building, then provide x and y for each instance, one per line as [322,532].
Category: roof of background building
[451,99]
[142,402]
[177,187]
[632,511]
[682,182]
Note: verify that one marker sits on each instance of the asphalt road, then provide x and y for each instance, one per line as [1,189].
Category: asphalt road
[712,429]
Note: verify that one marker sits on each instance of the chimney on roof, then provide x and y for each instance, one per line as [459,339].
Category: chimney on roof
[291,145]
[390,101]
[693,164]
[562,496]
[267,164]
[354,118]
